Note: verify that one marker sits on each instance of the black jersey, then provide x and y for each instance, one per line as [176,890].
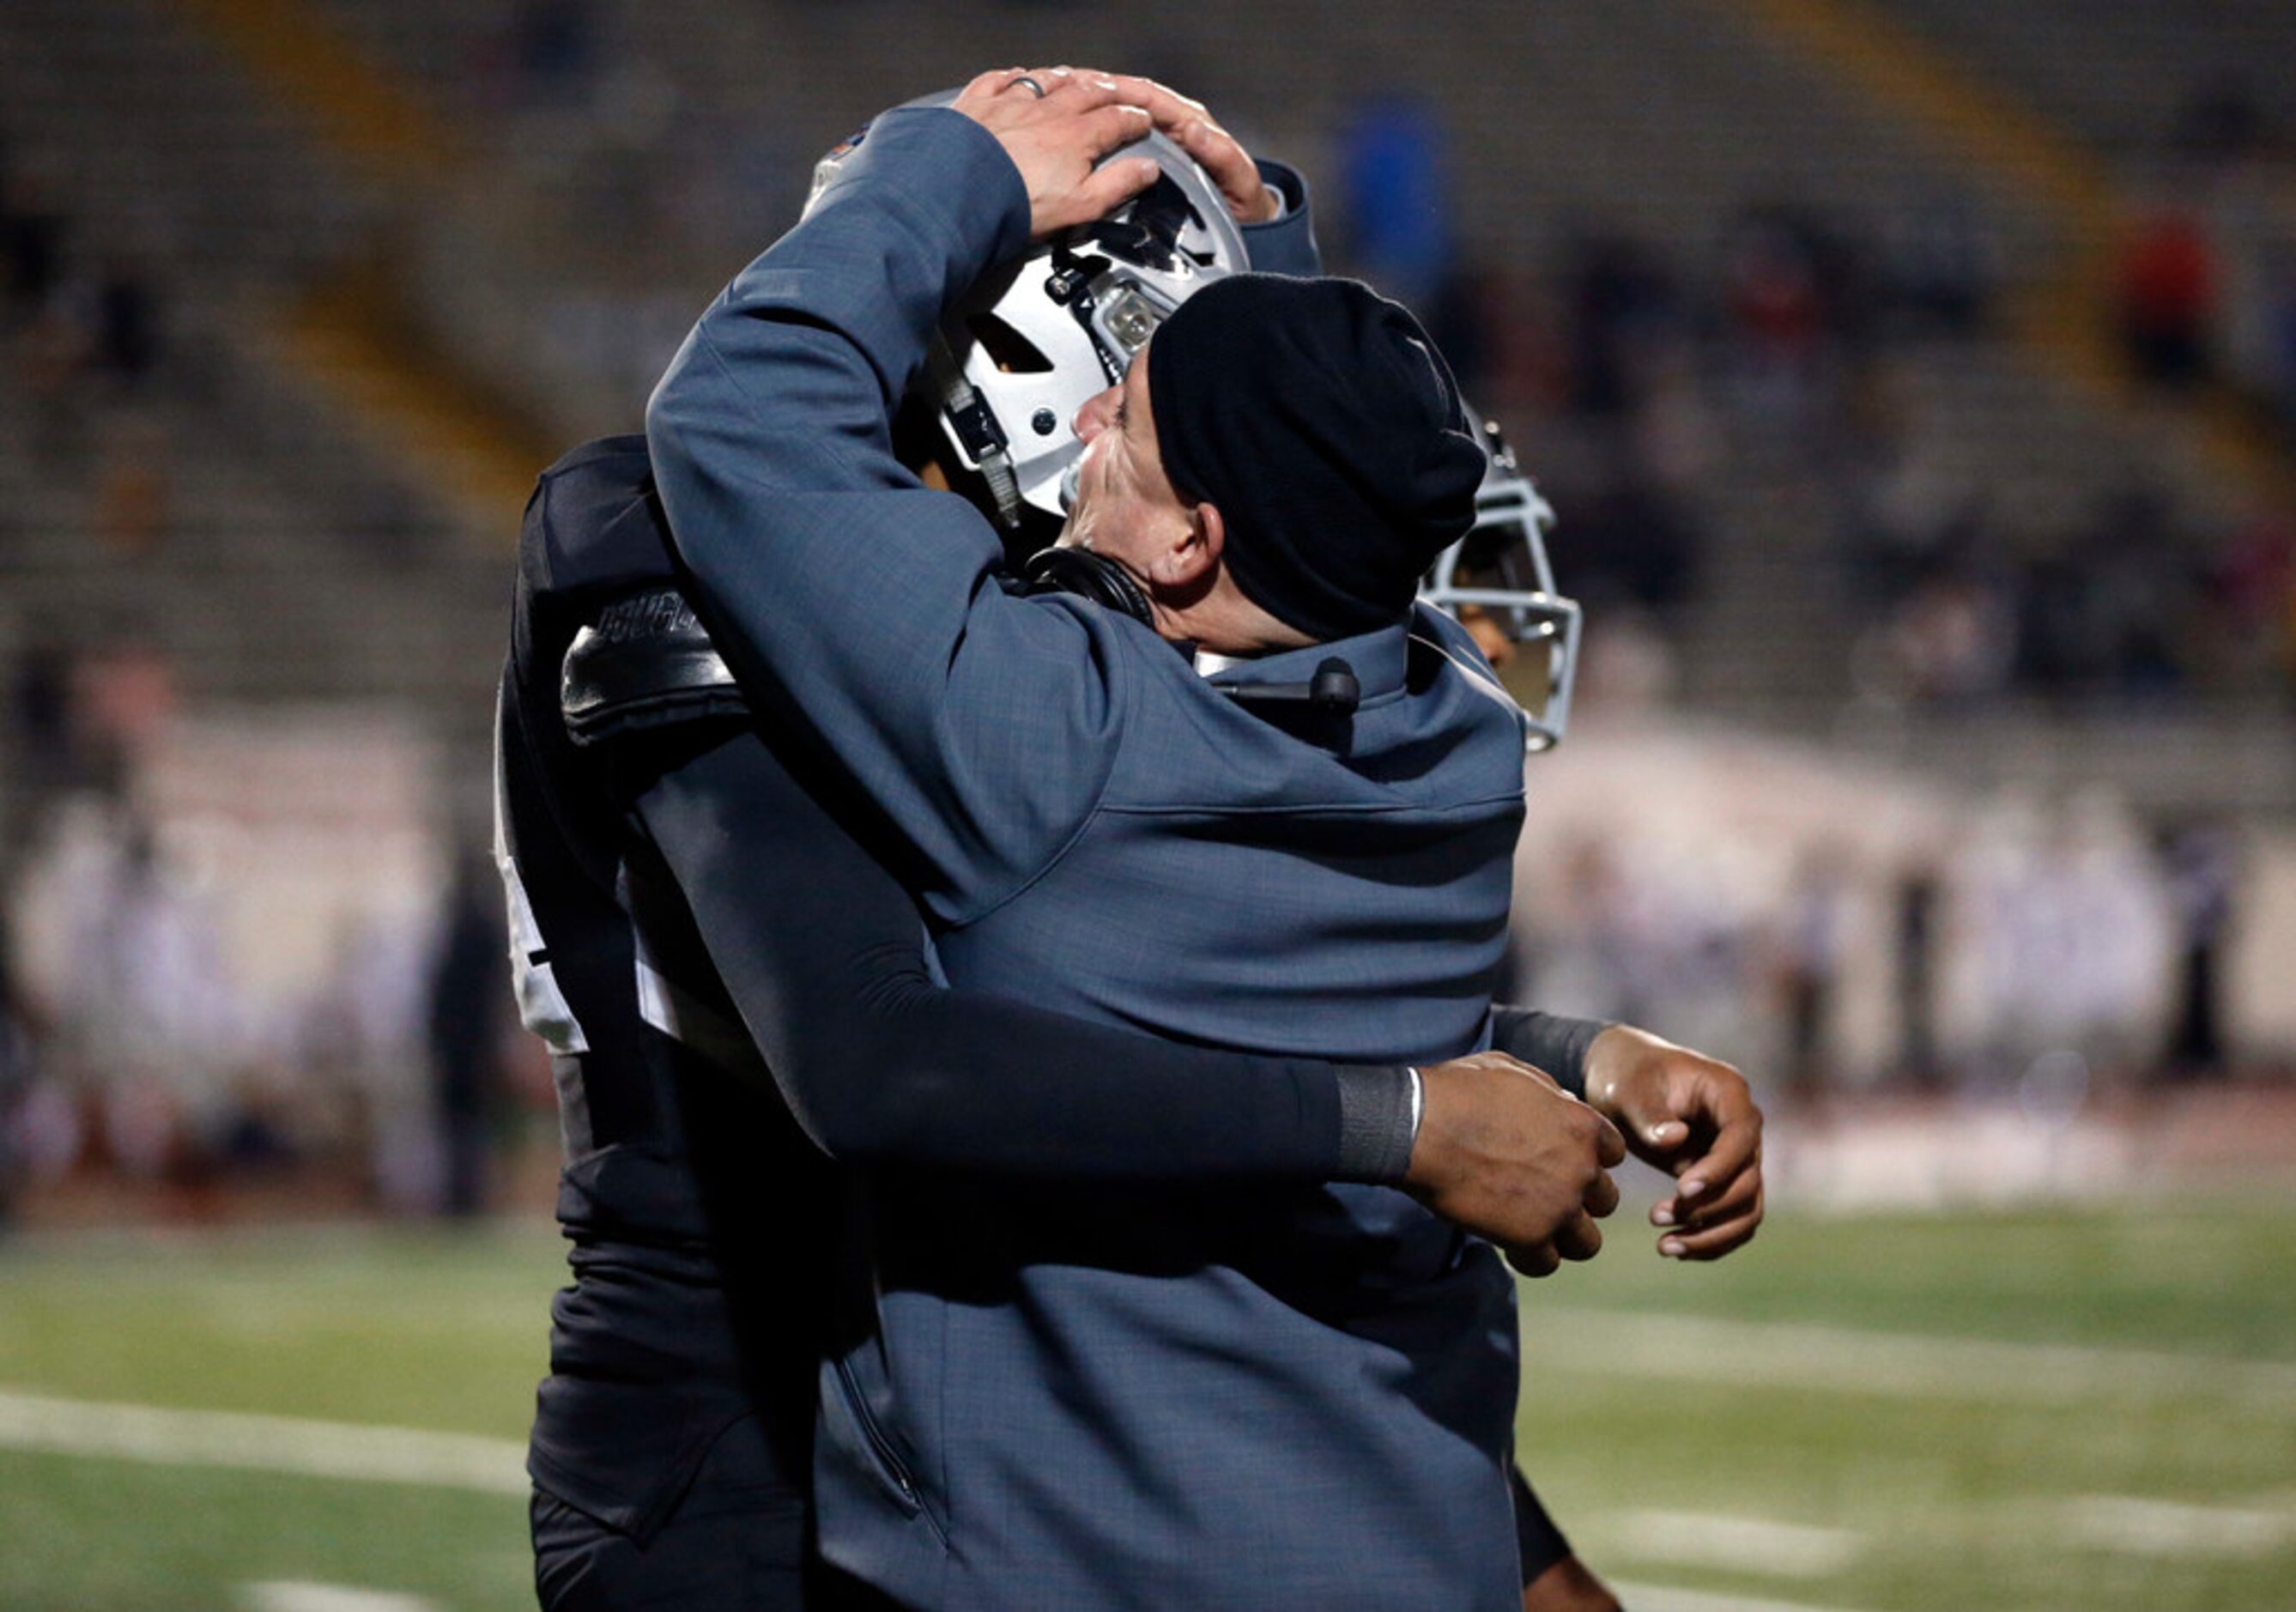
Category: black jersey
[701,1217]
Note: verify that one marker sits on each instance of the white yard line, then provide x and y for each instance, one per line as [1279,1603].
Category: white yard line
[263,1444]
[287,1595]
[1740,1544]
[2134,1526]
[1890,1365]
[1662,1598]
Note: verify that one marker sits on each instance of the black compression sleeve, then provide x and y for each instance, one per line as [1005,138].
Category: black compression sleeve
[823,953]
[1540,1542]
[1548,1041]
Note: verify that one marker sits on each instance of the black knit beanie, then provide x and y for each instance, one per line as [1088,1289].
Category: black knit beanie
[1319,419]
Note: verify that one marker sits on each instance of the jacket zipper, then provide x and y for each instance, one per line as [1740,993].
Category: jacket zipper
[879,1445]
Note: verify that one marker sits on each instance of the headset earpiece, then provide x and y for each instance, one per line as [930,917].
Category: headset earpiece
[1088,576]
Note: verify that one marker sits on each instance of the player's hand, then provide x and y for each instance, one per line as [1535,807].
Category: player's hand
[1056,139]
[1509,1155]
[1693,1118]
[1567,1586]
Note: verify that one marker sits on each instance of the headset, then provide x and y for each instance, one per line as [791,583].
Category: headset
[1333,691]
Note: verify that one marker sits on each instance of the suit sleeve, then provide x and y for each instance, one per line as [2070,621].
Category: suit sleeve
[823,954]
[844,594]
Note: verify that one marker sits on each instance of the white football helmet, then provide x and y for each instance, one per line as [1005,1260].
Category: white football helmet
[1038,337]
[1500,568]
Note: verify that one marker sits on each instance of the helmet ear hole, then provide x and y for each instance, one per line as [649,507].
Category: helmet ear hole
[1013,353]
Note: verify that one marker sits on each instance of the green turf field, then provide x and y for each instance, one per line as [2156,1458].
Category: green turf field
[2031,1410]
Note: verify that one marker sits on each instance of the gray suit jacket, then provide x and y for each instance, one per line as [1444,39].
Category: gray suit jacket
[1071,1397]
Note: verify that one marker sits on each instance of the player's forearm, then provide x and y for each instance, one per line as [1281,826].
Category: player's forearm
[963,1080]
[1547,1042]
[823,955]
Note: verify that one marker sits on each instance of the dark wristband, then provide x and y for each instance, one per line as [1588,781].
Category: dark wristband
[1539,1542]
[1377,1126]
[1547,1042]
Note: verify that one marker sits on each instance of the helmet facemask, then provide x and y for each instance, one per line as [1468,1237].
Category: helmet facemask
[1500,569]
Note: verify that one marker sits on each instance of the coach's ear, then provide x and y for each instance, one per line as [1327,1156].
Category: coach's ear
[1190,561]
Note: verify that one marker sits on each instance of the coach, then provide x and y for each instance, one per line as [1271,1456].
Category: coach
[1060,1396]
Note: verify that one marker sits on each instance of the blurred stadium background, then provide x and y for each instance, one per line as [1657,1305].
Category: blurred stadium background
[1916,384]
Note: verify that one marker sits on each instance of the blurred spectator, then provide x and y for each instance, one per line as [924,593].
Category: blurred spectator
[40,745]
[124,695]
[362,1035]
[1918,901]
[1398,209]
[148,1022]
[2070,940]
[1583,957]
[124,317]
[1674,441]
[31,248]
[2240,175]
[1941,263]
[2105,615]
[469,984]
[2169,286]
[2253,588]
[1623,305]
[2219,121]
[1633,542]
[2201,862]
[50,362]
[1463,320]
[1806,954]
[1627,666]
[1774,314]
[1909,512]
[1951,642]
[15,1072]
[134,488]
[552,47]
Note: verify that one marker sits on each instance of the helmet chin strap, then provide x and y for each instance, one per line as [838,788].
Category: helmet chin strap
[977,427]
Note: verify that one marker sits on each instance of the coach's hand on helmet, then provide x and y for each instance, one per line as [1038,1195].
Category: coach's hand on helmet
[1509,1155]
[1693,1118]
[1218,152]
[1057,123]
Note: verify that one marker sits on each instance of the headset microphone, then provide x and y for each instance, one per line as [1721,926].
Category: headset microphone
[1332,691]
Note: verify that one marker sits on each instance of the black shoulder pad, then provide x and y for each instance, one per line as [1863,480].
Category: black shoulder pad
[647,662]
